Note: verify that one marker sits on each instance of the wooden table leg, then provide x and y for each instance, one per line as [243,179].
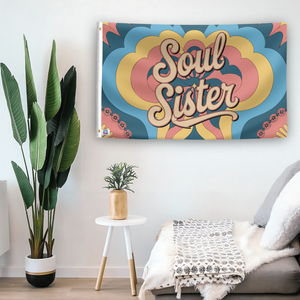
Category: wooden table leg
[131,265]
[104,258]
[132,277]
[134,269]
[101,272]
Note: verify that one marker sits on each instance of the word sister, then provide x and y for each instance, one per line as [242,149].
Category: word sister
[215,96]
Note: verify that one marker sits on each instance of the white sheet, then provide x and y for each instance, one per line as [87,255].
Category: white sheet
[158,272]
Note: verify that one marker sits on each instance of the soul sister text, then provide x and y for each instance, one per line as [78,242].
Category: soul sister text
[215,96]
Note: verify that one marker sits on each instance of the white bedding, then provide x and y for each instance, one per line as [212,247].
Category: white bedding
[159,270]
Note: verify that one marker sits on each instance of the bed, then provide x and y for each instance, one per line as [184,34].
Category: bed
[261,256]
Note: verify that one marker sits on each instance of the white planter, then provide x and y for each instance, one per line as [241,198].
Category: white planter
[40,272]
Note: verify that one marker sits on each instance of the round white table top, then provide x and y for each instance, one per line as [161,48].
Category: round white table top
[130,221]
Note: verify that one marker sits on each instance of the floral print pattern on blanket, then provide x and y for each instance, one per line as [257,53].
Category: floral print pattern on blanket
[206,253]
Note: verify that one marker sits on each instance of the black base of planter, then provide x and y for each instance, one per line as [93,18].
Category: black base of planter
[40,280]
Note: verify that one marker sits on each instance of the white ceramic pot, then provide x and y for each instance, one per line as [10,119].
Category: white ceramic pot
[40,272]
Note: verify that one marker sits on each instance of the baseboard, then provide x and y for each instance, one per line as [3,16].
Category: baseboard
[74,272]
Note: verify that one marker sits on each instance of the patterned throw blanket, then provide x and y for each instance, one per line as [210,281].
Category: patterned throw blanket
[206,253]
[159,270]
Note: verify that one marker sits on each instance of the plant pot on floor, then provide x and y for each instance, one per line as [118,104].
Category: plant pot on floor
[118,209]
[40,272]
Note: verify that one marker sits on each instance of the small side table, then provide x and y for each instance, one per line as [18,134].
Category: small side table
[130,221]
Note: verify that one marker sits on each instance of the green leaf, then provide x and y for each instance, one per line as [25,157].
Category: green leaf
[53,94]
[68,91]
[45,172]
[38,138]
[52,125]
[24,185]
[61,120]
[13,99]
[65,153]
[62,178]
[50,194]
[30,87]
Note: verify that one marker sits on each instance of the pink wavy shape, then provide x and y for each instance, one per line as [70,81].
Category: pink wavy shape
[245,86]
[214,130]
[145,87]
[277,27]
[171,132]
[111,27]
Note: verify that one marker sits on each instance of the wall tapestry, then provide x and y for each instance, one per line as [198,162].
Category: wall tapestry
[207,82]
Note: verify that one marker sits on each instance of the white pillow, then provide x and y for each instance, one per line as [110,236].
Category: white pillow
[262,216]
[284,223]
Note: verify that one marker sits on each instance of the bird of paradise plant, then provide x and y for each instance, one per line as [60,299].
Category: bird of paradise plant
[53,142]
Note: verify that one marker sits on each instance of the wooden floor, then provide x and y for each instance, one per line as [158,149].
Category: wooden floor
[69,288]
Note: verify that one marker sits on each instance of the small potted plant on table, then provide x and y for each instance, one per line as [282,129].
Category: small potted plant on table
[121,176]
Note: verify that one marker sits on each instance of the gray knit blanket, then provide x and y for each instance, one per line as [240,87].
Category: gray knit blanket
[206,253]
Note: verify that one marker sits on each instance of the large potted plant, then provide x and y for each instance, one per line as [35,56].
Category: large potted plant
[121,176]
[53,142]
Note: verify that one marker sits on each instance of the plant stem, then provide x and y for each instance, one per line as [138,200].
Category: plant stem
[27,217]
[29,228]
[53,218]
[25,162]
[34,209]
[49,233]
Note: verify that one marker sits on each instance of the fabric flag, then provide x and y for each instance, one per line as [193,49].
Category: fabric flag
[206,82]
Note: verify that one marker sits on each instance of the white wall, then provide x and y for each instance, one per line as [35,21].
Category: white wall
[177,179]
[4,229]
